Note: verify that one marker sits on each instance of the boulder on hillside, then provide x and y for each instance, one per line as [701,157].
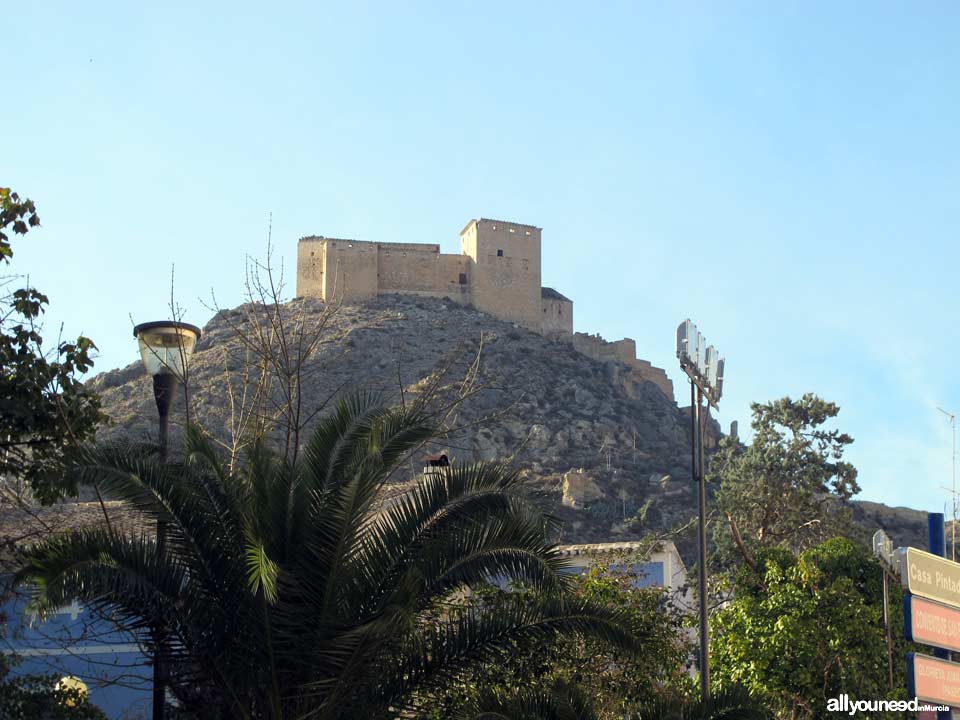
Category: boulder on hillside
[579,489]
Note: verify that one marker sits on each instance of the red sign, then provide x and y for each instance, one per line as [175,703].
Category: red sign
[932,624]
[933,680]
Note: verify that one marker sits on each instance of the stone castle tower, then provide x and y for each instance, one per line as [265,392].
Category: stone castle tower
[497,271]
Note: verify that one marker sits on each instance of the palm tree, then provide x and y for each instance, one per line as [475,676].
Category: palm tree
[292,591]
[562,701]
[733,703]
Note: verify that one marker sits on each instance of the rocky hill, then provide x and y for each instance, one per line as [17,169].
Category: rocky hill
[610,456]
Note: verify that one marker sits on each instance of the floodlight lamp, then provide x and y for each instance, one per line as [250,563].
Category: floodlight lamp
[701,353]
[711,364]
[719,386]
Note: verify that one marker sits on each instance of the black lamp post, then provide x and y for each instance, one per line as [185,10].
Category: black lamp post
[165,347]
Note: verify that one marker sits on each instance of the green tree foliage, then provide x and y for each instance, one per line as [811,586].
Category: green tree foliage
[610,683]
[287,589]
[805,629]
[44,407]
[788,487]
[37,697]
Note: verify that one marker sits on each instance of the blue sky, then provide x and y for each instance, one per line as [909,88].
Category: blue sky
[785,174]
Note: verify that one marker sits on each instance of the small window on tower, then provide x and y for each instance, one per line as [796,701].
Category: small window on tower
[499,253]
[463,278]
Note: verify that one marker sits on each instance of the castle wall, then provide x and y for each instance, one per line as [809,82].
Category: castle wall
[423,270]
[406,267]
[625,352]
[505,270]
[350,270]
[556,317]
[453,273]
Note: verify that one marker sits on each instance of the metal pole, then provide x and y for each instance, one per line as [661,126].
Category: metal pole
[936,544]
[702,549]
[164,388]
[886,625]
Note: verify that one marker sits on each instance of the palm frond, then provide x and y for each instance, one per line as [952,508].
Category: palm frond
[561,701]
[438,651]
[733,703]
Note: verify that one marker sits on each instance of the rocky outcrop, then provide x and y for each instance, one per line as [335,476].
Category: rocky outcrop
[579,489]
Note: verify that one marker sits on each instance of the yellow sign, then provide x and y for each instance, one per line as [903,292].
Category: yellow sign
[930,576]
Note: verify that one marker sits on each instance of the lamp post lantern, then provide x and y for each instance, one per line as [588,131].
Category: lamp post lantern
[704,366]
[165,347]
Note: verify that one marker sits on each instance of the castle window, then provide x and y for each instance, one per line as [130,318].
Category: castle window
[499,253]
[463,278]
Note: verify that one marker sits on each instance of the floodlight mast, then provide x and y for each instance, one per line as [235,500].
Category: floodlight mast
[953,481]
[704,366]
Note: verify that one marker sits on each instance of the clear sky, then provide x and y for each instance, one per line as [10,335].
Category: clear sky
[785,174]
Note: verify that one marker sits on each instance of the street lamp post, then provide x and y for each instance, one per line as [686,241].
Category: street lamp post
[165,347]
[704,366]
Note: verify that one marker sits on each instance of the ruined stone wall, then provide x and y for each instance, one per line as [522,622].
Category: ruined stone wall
[505,270]
[625,352]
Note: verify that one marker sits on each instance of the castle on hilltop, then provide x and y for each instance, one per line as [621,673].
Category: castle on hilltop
[497,272]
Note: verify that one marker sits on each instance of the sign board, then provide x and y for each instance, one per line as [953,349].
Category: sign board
[931,623]
[933,680]
[930,576]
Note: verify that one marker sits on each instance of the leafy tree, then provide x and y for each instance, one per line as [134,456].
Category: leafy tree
[38,697]
[804,629]
[288,589]
[610,683]
[789,486]
[44,407]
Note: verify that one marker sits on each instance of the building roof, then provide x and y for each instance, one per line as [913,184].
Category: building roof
[551,294]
